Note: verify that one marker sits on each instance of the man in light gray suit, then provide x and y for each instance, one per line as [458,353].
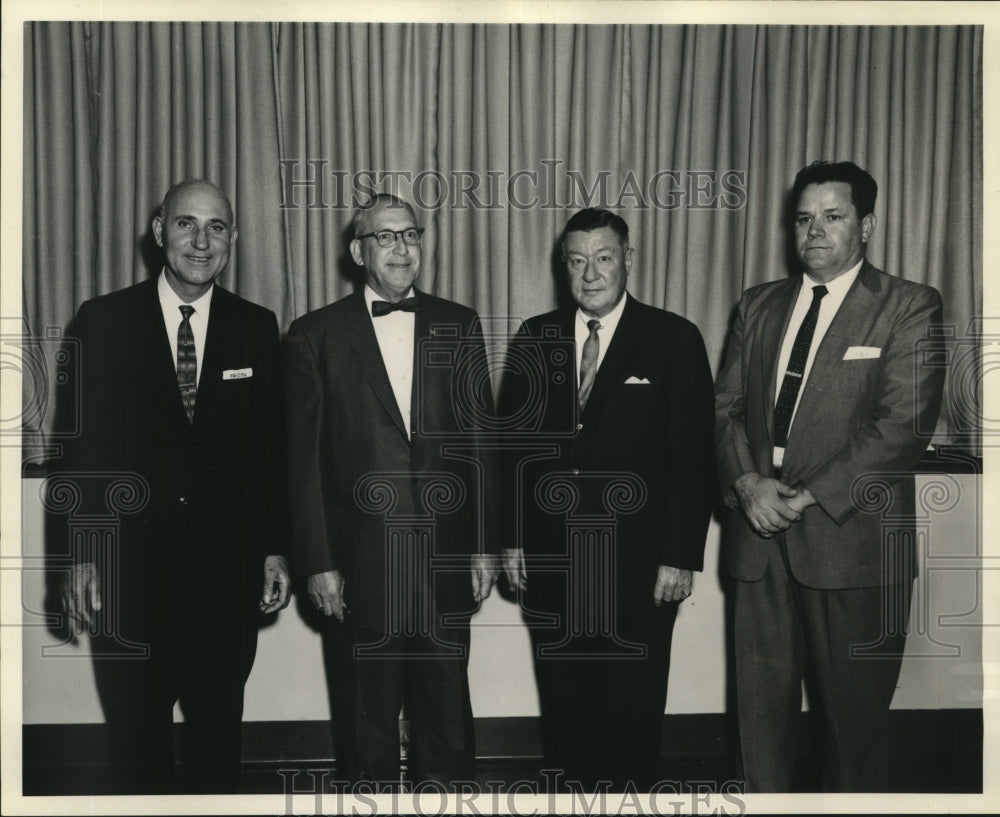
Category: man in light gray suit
[819,410]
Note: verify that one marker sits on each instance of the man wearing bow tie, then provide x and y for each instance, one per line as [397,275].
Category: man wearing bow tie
[389,491]
[181,402]
[607,503]
[822,408]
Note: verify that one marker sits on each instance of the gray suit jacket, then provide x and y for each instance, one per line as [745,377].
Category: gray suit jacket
[863,422]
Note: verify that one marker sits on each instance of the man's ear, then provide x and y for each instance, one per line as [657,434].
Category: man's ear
[235,235]
[867,227]
[158,230]
[356,253]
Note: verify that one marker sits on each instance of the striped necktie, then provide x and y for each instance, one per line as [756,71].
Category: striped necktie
[187,362]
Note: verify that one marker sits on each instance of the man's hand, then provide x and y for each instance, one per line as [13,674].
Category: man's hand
[81,595]
[513,568]
[275,596]
[763,502]
[803,500]
[484,573]
[672,584]
[326,592]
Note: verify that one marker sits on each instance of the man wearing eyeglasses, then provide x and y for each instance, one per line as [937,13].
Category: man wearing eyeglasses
[389,501]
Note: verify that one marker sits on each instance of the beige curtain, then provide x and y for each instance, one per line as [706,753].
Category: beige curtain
[693,133]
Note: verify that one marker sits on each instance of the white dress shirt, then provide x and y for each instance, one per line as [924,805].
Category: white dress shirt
[609,323]
[170,303]
[836,291]
[394,333]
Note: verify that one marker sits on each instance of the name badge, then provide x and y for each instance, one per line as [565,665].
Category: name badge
[237,374]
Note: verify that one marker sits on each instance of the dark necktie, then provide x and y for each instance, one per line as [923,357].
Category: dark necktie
[187,362]
[796,369]
[380,308]
[588,362]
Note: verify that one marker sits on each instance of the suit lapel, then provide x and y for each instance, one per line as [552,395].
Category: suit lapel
[219,320]
[623,344]
[774,321]
[847,327]
[362,338]
[423,320]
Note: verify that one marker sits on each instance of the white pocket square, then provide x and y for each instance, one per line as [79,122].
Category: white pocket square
[237,374]
[634,381]
[863,352]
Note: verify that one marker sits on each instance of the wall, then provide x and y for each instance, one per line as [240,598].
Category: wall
[943,667]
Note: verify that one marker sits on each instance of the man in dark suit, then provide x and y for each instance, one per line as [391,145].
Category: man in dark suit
[389,492]
[607,499]
[181,409]
[819,412]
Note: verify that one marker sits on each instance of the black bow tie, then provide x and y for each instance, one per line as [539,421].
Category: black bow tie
[380,308]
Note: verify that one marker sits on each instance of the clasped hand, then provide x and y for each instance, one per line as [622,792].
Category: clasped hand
[769,505]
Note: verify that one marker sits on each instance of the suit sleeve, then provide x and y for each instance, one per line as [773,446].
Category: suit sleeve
[275,495]
[909,398]
[734,455]
[492,475]
[313,548]
[86,451]
[691,491]
[511,398]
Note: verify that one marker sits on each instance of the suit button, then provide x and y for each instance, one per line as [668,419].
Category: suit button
[575,472]
[183,500]
[579,426]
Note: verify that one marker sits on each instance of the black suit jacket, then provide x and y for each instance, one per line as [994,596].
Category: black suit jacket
[356,481]
[200,504]
[653,440]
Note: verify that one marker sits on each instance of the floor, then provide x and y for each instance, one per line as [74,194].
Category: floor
[933,752]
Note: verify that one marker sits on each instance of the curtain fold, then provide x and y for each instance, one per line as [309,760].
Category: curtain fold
[497,133]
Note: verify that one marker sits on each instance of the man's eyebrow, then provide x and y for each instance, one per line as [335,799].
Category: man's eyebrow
[835,209]
[213,220]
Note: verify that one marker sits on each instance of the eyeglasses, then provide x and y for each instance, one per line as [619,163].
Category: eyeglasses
[388,238]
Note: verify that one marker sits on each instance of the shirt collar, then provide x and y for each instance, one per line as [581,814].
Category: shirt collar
[610,321]
[170,300]
[838,286]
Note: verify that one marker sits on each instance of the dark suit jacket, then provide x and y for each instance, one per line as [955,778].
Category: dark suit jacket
[656,437]
[861,426]
[216,496]
[354,477]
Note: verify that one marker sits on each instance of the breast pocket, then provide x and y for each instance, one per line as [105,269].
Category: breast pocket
[636,404]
